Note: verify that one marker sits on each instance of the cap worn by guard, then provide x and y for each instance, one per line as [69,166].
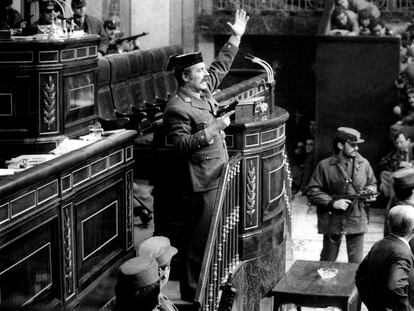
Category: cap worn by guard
[47,5]
[139,271]
[110,24]
[349,134]
[404,177]
[78,3]
[183,61]
[158,247]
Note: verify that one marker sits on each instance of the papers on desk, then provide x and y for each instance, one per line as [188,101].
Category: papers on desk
[7,171]
[28,160]
[68,145]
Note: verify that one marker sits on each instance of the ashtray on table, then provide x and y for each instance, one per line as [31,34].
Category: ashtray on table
[327,273]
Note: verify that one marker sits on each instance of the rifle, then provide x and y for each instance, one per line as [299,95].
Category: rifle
[120,40]
[227,108]
[227,295]
[359,196]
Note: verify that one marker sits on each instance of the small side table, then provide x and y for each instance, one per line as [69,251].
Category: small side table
[303,286]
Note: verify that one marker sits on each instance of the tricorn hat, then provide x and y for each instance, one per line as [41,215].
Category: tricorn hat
[404,178]
[349,134]
[139,272]
[183,61]
[158,247]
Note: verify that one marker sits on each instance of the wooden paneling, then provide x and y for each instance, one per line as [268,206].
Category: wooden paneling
[57,244]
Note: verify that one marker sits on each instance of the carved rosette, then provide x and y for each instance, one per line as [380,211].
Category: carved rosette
[68,256]
[251,192]
[129,209]
[48,100]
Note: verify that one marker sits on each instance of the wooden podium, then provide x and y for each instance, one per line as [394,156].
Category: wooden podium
[47,92]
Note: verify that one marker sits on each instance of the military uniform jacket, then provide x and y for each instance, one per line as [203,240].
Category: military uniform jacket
[327,180]
[385,275]
[187,119]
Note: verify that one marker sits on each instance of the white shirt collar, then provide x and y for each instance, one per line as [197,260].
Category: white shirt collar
[402,239]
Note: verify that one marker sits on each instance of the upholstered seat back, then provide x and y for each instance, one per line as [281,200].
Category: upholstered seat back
[119,83]
[105,104]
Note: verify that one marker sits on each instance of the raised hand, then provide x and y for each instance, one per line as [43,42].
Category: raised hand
[240,21]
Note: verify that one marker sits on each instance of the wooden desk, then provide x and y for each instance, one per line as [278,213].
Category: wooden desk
[66,225]
[302,286]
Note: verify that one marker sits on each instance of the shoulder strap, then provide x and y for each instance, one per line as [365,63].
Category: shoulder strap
[348,180]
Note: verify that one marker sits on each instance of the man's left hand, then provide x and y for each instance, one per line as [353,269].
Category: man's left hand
[240,22]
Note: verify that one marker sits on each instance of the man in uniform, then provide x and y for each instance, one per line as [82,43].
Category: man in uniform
[344,173]
[9,17]
[197,133]
[403,181]
[159,248]
[89,24]
[138,285]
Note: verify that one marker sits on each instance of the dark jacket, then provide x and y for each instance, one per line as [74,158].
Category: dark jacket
[92,25]
[384,275]
[326,181]
[187,117]
[9,18]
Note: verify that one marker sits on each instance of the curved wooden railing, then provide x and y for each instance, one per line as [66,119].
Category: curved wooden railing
[221,255]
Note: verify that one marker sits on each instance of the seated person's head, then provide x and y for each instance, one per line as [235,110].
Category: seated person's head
[378,27]
[364,18]
[403,183]
[310,145]
[410,97]
[138,284]
[46,9]
[343,4]
[79,8]
[401,141]
[401,220]
[340,18]
[159,248]
[110,28]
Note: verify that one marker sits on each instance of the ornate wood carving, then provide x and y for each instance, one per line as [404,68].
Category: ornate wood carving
[251,190]
[129,209]
[68,256]
[48,103]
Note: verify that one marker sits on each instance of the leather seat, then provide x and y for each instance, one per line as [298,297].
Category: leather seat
[106,112]
[135,62]
[119,83]
[160,62]
[146,78]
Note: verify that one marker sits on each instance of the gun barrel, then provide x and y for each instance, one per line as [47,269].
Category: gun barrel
[354,196]
[120,40]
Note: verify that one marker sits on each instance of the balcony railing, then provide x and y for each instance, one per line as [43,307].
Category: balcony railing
[221,256]
[288,7]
